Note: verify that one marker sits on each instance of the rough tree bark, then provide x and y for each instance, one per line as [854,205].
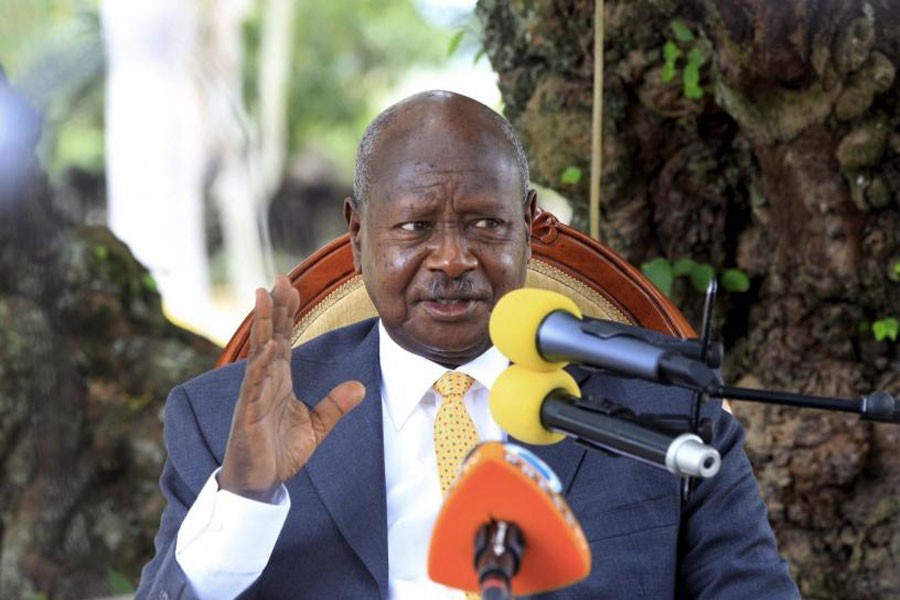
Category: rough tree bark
[86,361]
[787,167]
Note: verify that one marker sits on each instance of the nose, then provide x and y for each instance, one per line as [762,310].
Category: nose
[450,253]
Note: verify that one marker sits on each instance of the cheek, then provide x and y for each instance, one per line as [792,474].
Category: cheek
[388,273]
[507,269]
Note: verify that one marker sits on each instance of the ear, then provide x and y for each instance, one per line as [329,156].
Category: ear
[531,210]
[353,215]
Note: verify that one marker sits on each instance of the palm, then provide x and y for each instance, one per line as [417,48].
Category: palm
[273,434]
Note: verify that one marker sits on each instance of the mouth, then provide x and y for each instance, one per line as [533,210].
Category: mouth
[451,308]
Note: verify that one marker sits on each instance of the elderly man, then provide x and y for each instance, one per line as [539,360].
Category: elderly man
[274,493]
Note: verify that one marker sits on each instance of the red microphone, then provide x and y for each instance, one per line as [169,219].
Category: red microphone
[506,509]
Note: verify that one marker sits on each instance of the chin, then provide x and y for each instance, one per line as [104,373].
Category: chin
[458,354]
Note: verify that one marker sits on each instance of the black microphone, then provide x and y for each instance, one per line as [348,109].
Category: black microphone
[540,407]
[689,347]
[544,331]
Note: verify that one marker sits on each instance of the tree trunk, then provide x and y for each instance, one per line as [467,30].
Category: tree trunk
[86,361]
[157,147]
[787,167]
[177,124]
[250,152]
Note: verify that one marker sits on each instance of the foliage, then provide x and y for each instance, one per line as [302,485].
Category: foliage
[571,176]
[886,328]
[453,46]
[663,272]
[52,52]
[470,32]
[659,271]
[119,583]
[672,52]
[346,55]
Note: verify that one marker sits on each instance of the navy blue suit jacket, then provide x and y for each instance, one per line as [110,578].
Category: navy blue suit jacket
[645,542]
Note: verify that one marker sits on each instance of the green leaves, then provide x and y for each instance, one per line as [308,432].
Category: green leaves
[672,52]
[690,78]
[455,41]
[659,271]
[118,582]
[735,280]
[149,283]
[571,176]
[701,275]
[663,273]
[681,31]
[683,266]
[886,328]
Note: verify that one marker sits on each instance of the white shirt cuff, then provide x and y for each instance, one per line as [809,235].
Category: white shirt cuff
[226,540]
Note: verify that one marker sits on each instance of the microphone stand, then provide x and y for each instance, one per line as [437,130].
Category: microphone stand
[688,483]
[878,406]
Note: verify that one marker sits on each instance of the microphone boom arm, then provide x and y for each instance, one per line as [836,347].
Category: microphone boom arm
[878,406]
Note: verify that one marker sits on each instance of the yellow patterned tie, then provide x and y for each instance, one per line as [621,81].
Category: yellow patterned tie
[454,431]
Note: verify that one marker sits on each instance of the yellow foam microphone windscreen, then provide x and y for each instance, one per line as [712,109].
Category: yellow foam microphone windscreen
[516,319]
[516,400]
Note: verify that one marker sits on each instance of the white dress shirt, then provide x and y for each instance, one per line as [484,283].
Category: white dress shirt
[212,545]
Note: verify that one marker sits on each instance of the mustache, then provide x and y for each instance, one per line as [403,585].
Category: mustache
[460,288]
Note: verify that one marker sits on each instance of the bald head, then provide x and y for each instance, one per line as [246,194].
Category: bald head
[458,122]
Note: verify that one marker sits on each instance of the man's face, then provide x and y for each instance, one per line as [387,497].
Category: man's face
[445,234]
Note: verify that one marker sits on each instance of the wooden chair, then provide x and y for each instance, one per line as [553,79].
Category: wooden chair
[600,281]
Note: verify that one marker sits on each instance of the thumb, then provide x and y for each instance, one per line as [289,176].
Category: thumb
[339,401]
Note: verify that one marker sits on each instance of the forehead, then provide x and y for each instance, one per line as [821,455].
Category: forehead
[474,171]
[416,186]
[433,153]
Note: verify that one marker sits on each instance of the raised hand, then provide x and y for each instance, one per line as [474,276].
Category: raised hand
[273,434]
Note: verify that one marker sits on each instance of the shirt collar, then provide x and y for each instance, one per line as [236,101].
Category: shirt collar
[406,378]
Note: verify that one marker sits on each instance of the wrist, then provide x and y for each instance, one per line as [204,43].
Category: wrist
[264,494]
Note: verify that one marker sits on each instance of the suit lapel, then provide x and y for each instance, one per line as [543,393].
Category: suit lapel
[347,470]
[564,458]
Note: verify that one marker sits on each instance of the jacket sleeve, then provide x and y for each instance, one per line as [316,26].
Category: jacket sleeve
[726,547]
[188,466]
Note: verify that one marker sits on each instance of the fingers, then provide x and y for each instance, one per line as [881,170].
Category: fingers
[339,401]
[257,376]
[273,315]
[286,301]
[261,329]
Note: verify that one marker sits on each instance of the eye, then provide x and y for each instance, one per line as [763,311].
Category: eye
[415,226]
[487,223]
